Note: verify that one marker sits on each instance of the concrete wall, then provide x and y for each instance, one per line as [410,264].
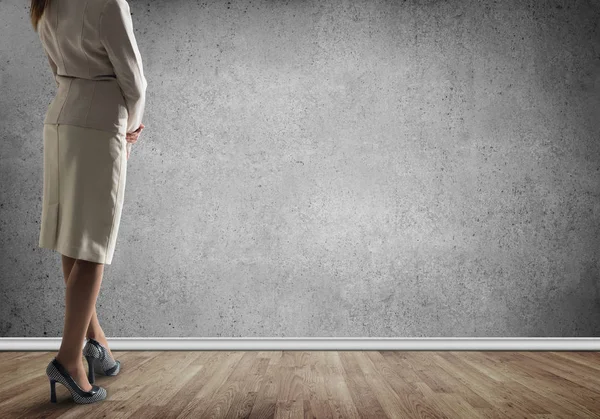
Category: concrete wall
[332,168]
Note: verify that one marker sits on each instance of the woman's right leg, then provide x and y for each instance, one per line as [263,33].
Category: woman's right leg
[80,299]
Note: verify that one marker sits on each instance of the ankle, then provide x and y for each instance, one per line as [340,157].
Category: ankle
[71,366]
[96,336]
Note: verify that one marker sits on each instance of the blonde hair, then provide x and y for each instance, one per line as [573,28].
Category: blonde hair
[36,11]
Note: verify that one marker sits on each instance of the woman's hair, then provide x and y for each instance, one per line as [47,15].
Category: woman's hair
[37,9]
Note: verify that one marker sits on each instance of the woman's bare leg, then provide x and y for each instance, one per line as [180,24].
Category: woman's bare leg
[83,285]
[67,265]
[94,329]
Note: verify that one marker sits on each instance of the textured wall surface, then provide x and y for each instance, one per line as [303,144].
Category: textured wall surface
[332,168]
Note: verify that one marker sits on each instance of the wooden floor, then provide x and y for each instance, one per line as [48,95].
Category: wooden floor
[319,384]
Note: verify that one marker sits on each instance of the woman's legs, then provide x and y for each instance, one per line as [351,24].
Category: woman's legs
[94,329]
[83,285]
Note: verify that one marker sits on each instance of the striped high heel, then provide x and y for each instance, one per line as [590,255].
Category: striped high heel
[57,373]
[99,360]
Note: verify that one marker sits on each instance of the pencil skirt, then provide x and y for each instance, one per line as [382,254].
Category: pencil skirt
[84,185]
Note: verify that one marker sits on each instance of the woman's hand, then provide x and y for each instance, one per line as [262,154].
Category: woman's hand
[132,137]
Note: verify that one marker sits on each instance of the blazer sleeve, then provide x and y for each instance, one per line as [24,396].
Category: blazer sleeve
[117,37]
[52,66]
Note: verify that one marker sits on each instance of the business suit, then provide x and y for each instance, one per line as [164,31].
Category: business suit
[101,87]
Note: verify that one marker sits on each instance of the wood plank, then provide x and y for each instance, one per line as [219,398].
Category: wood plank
[496,393]
[362,394]
[214,397]
[265,403]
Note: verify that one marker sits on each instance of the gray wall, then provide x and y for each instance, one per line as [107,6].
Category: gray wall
[336,168]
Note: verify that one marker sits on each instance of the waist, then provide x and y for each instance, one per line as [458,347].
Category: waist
[64,82]
[97,103]
[107,77]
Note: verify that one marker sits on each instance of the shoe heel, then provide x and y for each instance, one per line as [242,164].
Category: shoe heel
[102,363]
[52,390]
[90,360]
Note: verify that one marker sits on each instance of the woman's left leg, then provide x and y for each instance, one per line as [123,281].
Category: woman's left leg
[94,330]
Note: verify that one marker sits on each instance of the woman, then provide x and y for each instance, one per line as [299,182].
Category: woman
[88,129]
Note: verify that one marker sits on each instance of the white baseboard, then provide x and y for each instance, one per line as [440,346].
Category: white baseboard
[318,344]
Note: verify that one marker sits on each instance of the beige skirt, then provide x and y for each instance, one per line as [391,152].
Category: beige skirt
[84,187]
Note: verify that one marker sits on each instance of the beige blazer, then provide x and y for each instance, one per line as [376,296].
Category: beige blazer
[96,63]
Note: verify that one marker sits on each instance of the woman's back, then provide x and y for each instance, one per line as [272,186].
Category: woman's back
[94,56]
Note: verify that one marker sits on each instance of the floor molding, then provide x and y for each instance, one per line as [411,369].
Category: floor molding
[17,344]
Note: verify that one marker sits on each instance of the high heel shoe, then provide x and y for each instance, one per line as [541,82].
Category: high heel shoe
[99,360]
[57,373]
